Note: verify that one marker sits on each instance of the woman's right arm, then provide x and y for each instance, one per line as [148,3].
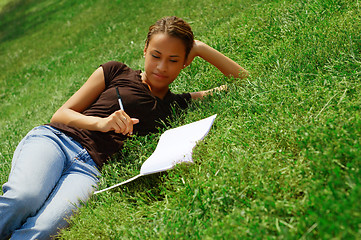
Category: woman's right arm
[202,94]
[71,112]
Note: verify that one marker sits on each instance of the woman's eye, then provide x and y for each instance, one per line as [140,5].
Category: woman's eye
[155,56]
[174,61]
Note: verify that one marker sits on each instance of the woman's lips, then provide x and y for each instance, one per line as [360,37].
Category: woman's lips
[160,75]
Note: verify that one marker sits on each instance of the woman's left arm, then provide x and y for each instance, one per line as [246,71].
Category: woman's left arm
[226,65]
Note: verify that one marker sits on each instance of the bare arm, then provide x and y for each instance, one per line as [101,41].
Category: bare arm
[226,65]
[71,112]
[201,94]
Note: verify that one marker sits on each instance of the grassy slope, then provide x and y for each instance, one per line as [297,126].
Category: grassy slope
[283,158]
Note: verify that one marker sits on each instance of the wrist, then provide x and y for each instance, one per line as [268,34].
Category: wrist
[198,47]
[197,95]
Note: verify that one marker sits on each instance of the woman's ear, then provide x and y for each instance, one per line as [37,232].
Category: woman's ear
[145,50]
[185,64]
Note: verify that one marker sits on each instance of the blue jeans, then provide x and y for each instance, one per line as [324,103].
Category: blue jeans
[51,176]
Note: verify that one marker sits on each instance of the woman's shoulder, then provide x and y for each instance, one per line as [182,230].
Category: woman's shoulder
[112,70]
[117,67]
[113,64]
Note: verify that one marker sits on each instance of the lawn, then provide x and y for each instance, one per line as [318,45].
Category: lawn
[282,160]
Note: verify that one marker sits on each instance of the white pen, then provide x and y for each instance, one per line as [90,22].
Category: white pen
[120,100]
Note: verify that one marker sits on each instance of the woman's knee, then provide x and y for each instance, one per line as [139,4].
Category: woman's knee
[25,202]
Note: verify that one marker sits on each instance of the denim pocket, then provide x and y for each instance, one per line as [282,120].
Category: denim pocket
[84,162]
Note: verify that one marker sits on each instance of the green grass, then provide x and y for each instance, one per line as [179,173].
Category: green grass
[283,157]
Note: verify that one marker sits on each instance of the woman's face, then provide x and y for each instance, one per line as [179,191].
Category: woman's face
[164,59]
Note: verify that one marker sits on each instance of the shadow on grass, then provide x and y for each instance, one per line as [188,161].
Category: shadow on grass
[21,17]
[148,186]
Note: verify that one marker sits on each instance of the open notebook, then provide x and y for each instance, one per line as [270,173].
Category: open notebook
[174,146]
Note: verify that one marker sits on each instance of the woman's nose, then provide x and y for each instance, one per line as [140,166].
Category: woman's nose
[162,66]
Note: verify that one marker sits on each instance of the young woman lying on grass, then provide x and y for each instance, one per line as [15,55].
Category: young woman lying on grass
[57,166]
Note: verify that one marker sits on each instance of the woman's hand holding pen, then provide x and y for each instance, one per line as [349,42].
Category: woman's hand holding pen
[119,122]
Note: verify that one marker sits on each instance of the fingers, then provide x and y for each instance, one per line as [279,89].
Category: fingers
[134,120]
[122,123]
[192,54]
[221,88]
